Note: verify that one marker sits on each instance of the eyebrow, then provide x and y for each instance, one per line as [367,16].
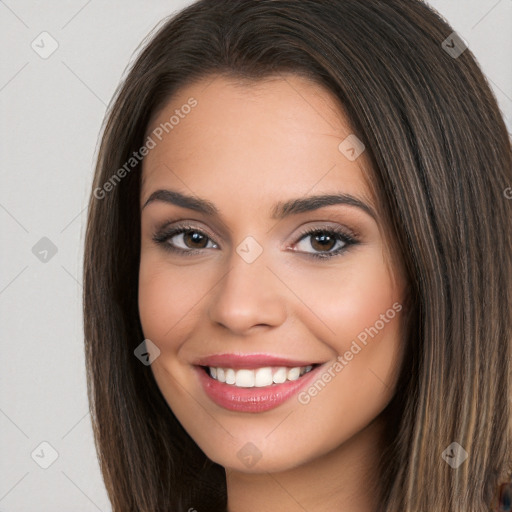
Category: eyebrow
[279,211]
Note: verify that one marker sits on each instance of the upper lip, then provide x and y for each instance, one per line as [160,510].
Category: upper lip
[249,361]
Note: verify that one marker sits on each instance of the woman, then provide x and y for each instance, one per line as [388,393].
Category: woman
[298,266]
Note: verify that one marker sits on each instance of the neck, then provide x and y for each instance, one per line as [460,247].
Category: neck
[343,479]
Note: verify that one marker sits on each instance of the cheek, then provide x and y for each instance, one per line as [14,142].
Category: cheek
[166,299]
[361,381]
[153,295]
[172,300]
[362,309]
[357,312]
[343,301]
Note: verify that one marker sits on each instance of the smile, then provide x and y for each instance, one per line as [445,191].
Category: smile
[253,382]
[258,377]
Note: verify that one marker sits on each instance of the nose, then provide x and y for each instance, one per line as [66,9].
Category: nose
[247,296]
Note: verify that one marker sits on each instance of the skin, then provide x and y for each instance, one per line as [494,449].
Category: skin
[244,147]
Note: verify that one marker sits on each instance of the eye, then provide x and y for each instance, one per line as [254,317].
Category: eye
[187,240]
[324,240]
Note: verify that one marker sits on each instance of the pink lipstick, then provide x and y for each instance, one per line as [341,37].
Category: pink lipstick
[253,382]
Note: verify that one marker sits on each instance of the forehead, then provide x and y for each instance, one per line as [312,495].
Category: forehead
[251,140]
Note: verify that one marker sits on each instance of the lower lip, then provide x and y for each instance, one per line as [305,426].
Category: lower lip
[254,399]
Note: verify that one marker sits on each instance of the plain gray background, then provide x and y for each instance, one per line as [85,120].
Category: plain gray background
[51,113]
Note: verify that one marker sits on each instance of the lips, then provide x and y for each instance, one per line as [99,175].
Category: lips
[242,382]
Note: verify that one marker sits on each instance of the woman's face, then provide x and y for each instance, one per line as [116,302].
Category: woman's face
[295,302]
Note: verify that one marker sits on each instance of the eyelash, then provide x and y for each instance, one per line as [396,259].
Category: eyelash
[162,237]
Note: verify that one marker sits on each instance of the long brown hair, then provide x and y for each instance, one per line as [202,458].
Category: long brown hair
[442,164]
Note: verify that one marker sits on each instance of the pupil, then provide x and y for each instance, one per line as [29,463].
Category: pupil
[324,240]
[196,238]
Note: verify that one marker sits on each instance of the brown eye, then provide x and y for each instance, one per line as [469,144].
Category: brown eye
[185,240]
[195,239]
[325,242]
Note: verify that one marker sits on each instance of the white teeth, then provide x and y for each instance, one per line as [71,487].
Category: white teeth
[244,379]
[293,374]
[263,377]
[230,376]
[280,376]
[258,377]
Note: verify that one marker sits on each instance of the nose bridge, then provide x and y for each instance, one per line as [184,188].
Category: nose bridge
[248,294]
[248,277]
[248,263]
